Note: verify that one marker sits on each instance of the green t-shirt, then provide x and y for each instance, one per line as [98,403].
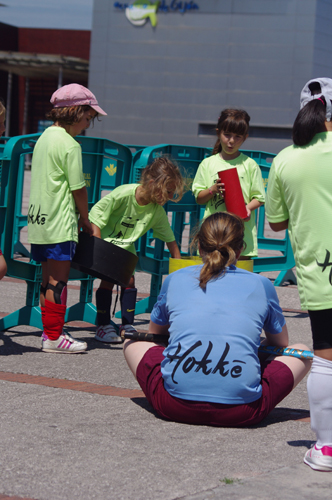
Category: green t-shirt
[122,220]
[300,190]
[252,187]
[56,171]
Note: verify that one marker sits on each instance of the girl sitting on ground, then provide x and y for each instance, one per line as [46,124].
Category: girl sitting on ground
[214,314]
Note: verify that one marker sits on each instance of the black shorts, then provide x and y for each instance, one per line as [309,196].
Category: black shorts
[321,327]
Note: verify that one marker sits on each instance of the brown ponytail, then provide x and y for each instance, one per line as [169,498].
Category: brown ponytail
[219,239]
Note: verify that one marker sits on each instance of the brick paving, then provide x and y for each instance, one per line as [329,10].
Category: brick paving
[72,385]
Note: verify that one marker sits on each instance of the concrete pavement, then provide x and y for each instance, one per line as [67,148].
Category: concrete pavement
[78,427]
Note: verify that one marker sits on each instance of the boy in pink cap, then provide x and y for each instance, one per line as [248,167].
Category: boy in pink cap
[58,192]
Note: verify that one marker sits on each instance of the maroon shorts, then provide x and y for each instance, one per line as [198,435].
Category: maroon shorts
[277,383]
[0,252]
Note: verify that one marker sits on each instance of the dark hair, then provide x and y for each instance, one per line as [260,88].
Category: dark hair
[166,177]
[68,115]
[235,121]
[219,238]
[309,122]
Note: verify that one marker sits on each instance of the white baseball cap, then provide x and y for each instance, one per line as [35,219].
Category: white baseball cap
[316,88]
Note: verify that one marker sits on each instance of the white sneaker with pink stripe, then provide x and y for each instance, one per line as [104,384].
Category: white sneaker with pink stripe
[65,344]
[319,458]
[108,334]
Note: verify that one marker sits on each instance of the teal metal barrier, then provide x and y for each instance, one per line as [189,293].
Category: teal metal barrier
[3,141]
[284,262]
[12,175]
[135,147]
[187,157]
[153,258]
[106,165]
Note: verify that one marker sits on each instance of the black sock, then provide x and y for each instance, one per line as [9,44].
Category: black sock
[103,301]
[128,303]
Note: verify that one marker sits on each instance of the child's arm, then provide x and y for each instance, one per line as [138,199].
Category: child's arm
[279,340]
[96,230]
[201,187]
[158,329]
[174,249]
[252,205]
[256,192]
[81,201]
[206,194]
[279,226]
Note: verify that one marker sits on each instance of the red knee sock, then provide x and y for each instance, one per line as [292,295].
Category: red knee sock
[54,319]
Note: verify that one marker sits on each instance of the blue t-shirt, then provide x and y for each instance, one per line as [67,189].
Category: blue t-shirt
[215,334]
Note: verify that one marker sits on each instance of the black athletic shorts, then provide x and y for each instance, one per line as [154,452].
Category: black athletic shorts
[321,327]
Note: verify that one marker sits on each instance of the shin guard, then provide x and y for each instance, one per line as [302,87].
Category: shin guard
[128,304]
[59,292]
[103,302]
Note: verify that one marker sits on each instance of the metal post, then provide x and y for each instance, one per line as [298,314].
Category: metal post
[60,77]
[8,103]
[26,107]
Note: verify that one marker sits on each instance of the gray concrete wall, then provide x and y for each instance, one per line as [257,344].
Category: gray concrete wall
[322,55]
[158,84]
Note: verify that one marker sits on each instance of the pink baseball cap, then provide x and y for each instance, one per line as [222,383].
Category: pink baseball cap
[75,95]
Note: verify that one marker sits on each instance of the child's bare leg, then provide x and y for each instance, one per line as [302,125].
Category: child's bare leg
[299,367]
[58,271]
[134,352]
[3,267]
[42,294]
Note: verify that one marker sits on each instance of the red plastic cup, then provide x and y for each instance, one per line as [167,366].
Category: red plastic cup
[233,195]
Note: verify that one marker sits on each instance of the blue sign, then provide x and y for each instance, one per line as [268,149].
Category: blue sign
[173,6]
[176,6]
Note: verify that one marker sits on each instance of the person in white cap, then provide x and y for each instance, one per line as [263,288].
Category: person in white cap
[58,191]
[299,197]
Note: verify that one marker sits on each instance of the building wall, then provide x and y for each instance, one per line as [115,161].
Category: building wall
[75,43]
[323,39]
[168,84]
[8,42]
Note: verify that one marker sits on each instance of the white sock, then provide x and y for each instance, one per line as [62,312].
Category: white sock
[319,388]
